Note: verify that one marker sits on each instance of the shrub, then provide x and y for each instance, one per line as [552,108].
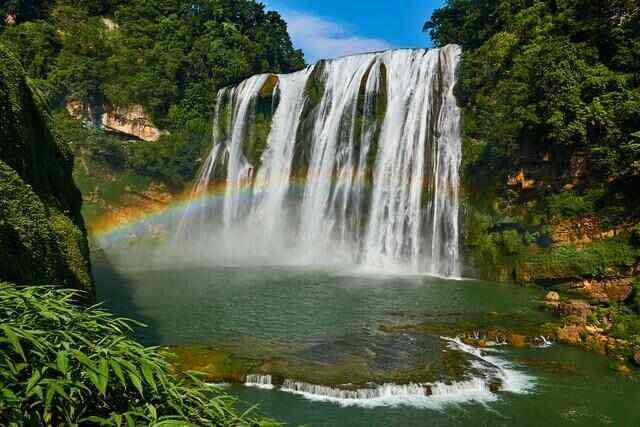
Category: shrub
[635,236]
[600,258]
[570,205]
[62,364]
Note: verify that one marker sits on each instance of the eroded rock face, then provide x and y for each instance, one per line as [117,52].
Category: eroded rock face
[81,111]
[584,230]
[131,120]
[603,290]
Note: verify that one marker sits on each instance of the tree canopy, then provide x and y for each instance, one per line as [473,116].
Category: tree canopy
[550,80]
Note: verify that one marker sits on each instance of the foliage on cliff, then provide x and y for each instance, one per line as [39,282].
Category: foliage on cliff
[63,364]
[170,56]
[42,234]
[551,126]
[546,81]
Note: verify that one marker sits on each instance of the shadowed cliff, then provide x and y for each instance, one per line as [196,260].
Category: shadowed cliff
[42,234]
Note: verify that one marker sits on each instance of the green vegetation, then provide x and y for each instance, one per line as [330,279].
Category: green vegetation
[545,77]
[62,364]
[551,99]
[42,234]
[601,258]
[169,56]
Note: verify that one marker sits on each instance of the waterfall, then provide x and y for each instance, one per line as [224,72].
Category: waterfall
[259,381]
[354,159]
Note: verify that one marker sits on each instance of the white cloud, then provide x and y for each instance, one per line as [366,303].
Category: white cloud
[321,38]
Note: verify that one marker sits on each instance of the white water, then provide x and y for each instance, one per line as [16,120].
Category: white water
[436,395]
[379,147]
[259,381]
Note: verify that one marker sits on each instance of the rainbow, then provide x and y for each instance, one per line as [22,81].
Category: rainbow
[137,218]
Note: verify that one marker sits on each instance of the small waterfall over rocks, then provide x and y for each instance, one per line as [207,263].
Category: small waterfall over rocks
[495,374]
[260,381]
[352,160]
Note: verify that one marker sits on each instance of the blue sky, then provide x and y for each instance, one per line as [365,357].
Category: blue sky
[332,28]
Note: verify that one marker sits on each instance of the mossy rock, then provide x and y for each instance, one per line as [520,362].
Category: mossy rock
[42,234]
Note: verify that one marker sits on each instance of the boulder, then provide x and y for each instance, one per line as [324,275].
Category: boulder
[570,334]
[597,343]
[428,391]
[553,296]
[577,308]
[495,385]
[516,340]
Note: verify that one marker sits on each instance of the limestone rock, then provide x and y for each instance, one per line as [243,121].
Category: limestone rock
[570,334]
[603,290]
[578,308]
[131,120]
[553,296]
[81,111]
[597,343]
[516,340]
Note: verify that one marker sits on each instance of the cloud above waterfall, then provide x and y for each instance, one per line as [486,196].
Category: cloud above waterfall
[320,37]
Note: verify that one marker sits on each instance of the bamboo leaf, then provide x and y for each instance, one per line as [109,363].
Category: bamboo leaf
[62,362]
[117,369]
[135,379]
[14,341]
[148,375]
[103,375]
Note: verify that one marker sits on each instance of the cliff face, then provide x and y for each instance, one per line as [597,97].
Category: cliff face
[42,233]
[131,120]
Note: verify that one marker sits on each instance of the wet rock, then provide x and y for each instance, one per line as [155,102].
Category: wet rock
[428,391]
[552,297]
[597,343]
[516,340]
[621,368]
[578,308]
[571,334]
[479,342]
[593,329]
[495,385]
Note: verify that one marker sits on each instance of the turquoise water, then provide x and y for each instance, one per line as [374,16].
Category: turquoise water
[332,316]
[572,388]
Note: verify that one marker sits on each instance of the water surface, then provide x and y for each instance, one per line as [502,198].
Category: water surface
[334,317]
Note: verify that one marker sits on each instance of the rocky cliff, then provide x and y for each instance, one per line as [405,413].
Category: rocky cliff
[42,233]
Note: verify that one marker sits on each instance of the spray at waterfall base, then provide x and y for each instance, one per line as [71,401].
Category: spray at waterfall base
[375,138]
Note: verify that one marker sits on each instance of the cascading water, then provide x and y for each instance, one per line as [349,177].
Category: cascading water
[374,141]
